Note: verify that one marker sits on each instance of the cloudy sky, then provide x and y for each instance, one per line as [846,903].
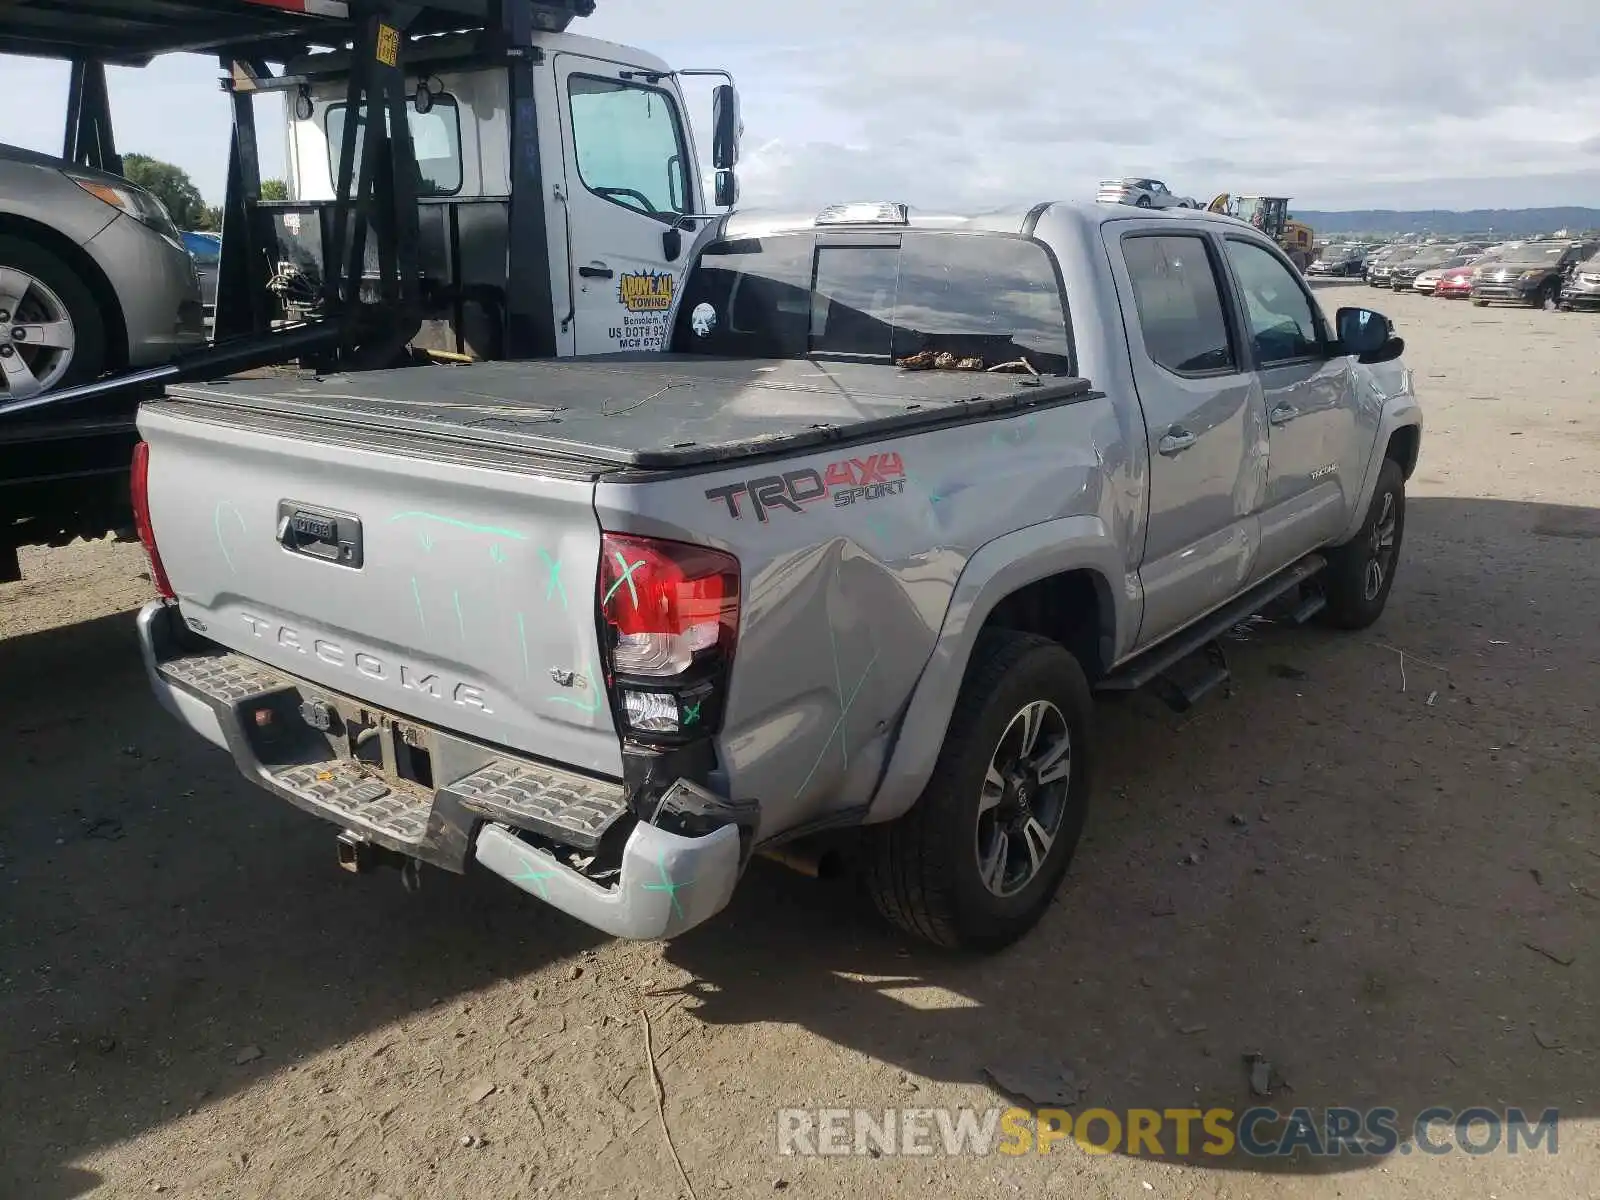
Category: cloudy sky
[1363,103]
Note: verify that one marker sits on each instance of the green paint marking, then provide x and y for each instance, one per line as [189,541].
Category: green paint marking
[216,523]
[666,885]
[461,622]
[537,878]
[416,594]
[522,636]
[497,552]
[838,676]
[554,586]
[627,578]
[838,725]
[467,525]
[424,539]
[588,706]
[691,716]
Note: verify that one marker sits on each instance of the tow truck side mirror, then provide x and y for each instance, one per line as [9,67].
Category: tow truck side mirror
[726,127]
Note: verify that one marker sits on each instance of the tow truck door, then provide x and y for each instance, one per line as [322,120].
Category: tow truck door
[630,174]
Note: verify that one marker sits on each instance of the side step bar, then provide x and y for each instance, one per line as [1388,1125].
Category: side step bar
[1161,658]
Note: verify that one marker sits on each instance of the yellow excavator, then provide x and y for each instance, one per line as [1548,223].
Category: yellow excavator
[1270,214]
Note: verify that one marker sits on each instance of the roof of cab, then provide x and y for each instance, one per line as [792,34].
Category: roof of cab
[755,222]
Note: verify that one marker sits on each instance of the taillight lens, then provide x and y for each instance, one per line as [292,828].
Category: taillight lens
[140,480]
[671,619]
[666,602]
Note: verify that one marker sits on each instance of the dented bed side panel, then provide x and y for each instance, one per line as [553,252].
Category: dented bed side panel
[850,558]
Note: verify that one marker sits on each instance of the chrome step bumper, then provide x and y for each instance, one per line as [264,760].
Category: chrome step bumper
[510,814]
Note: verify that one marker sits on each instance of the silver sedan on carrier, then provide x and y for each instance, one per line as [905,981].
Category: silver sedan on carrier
[93,276]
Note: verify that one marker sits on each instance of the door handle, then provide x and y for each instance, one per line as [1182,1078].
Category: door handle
[1283,414]
[597,271]
[1175,441]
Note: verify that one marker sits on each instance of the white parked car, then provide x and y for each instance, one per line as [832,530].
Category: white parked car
[1142,193]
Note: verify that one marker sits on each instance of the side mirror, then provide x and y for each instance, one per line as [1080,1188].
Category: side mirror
[726,189]
[1368,335]
[726,127]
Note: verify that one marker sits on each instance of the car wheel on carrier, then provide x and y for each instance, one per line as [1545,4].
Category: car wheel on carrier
[1142,202]
[51,331]
[975,863]
[1360,573]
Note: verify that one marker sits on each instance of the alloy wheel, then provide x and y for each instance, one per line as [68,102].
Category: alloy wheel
[37,338]
[1024,798]
[1381,547]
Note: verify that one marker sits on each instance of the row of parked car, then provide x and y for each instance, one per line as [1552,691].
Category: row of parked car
[1550,273]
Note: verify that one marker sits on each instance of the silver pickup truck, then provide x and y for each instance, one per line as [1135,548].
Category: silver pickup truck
[855,552]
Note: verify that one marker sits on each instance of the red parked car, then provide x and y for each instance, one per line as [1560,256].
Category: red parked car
[1456,283]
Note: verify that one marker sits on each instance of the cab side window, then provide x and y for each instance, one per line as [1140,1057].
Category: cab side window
[629,144]
[1282,325]
[1179,303]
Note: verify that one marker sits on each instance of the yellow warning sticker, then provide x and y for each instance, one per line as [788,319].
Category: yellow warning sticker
[388,45]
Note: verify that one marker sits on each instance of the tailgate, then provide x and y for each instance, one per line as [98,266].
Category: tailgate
[459,594]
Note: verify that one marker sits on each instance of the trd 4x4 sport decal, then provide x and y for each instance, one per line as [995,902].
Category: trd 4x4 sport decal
[848,481]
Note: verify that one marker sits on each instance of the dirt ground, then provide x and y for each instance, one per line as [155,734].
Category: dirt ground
[1377,863]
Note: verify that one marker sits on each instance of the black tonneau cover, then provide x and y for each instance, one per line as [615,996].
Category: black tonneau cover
[647,411]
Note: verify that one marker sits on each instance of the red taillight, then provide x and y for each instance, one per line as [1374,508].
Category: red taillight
[667,602]
[140,479]
[670,615]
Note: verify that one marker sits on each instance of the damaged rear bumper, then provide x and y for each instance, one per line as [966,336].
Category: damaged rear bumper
[565,838]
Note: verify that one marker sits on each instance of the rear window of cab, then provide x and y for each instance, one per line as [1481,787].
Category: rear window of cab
[990,297]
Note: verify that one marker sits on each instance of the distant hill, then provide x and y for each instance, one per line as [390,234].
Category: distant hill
[1513,222]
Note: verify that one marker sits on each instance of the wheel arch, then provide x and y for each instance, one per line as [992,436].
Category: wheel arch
[79,260]
[1054,579]
[1405,444]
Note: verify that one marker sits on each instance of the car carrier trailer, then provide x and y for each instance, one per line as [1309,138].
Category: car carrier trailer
[565,233]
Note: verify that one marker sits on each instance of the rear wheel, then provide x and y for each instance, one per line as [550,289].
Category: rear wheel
[51,331]
[976,862]
[1142,202]
[1360,573]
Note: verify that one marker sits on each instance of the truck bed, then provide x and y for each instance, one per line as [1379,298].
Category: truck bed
[644,411]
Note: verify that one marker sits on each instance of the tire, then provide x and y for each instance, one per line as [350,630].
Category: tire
[52,284]
[1142,202]
[1548,297]
[1347,581]
[1476,303]
[923,870]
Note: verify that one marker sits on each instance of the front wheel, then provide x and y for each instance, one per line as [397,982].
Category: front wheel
[976,861]
[51,330]
[1548,297]
[1360,573]
[1477,303]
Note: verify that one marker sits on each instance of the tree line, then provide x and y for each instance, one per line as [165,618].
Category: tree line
[172,186]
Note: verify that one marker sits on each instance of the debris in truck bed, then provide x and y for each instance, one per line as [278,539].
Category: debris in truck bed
[943,360]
